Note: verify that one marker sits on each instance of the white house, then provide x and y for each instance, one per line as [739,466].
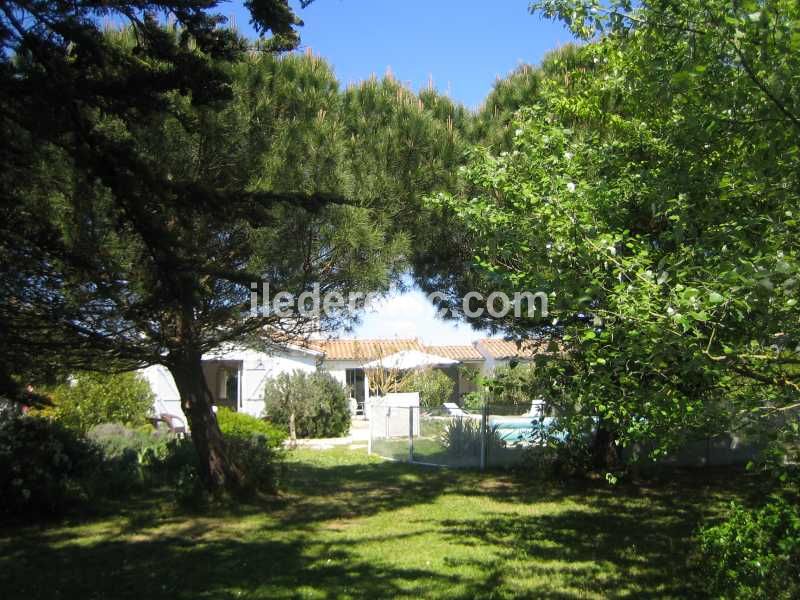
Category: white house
[236,375]
[500,353]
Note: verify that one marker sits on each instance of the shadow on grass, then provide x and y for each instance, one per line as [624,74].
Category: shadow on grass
[148,550]
[575,553]
[628,541]
[601,542]
[318,493]
[179,567]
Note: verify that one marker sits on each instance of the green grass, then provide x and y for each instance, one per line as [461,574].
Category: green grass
[433,451]
[350,526]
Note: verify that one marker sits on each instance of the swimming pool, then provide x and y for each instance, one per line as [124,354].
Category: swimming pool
[525,430]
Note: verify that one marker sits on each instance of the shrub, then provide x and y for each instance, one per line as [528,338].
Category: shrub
[473,401]
[260,463]
[462,437]
[44,467]
[253,444]
[433,385]
[753,554]
[514,385]
[317,400]
[115,439]
[9,409]
[180,454]
[559,448]
[243,426]
[558,458]
[132,457]
[95,398]
[188,489]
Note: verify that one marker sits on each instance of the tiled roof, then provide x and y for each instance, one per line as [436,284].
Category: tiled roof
[499,348]
[367,350]
[455,352]
[364,350]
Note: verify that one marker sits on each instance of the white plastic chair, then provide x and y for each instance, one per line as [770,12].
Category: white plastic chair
[454,410]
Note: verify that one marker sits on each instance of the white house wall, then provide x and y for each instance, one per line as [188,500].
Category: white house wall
[167,398]
[338,370]
[257,367]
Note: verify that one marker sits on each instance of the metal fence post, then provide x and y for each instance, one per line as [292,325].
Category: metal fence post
[410,434]
[369,438]
[483,434]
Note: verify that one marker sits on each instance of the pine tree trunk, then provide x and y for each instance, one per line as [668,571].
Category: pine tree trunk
[215,467]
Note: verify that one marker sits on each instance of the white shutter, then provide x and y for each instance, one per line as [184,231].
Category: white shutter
[253,383]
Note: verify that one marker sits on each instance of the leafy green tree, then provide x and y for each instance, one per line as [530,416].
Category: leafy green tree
[491,126]
[514,385]
[445,264]
[59,75]
[492,123]
[655,198]
[90,399]
[401,146]
[433,385]
[308,405]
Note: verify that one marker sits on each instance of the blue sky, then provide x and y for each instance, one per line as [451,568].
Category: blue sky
[462,45]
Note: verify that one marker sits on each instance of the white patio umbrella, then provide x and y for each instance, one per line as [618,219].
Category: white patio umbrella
[410,359]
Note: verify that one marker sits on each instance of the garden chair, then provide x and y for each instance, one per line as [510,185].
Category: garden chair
[454,410]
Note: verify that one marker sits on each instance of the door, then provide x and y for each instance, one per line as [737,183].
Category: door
[355,387]
[231,388]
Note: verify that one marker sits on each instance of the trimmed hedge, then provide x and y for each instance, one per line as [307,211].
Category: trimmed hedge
[246,427]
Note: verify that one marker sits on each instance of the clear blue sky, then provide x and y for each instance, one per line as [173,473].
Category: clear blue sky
[463,45]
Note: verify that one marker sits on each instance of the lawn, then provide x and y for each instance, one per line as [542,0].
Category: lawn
[350,526]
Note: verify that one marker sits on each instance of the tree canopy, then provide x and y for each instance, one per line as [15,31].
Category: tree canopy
[653,192]
[178,172]
[69,90]
[647,180]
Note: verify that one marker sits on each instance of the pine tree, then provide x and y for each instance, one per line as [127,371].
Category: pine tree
[132,227]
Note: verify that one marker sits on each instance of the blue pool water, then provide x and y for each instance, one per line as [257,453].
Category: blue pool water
[514,430]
